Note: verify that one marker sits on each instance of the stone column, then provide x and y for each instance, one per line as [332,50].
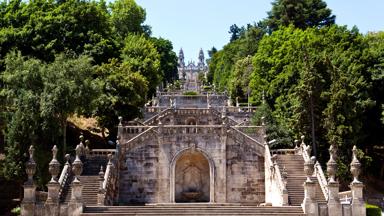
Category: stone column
[52,204]
[221,174]
[358,204]
[334,206]
[75,205]
[309,203]
[28,203]
[163,174]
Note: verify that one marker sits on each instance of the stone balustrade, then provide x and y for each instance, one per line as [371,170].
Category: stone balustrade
[107,188]
[321,179]
[101,152]
[65,172]
[276,192]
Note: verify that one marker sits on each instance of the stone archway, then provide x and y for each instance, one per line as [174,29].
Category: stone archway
[192,177]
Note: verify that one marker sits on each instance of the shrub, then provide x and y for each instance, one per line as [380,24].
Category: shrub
[16,211]
[373,210]
[190,93]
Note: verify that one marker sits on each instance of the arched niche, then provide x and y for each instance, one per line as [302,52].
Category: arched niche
[192,177]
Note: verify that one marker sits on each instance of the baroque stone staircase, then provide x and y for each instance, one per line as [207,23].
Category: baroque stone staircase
[192,209]
[89,179]
[294,166]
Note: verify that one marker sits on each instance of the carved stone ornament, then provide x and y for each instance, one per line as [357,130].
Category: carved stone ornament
[67,159]
[87,149]
[332,165]
[77,165]
[355,166]
[302,141]
[54,165]
[308,149]
[309,168]
[30,166]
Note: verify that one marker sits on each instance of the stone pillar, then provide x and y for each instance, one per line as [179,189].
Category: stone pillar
[75,205]
[358,204]
[221,174]
[309,203]
[28,203]
[101,192]
[334,206]
[120,128]
[52,203]
[163,175]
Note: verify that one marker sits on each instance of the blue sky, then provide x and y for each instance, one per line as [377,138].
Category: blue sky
[205,23]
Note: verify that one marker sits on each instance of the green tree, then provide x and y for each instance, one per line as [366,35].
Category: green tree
[39,97]
[68,89]
[168,59]
[301,13]
[235,32]
[140,55]
[123,92]
[127,17]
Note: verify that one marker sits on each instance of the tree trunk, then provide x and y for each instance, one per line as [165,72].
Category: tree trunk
[313,127]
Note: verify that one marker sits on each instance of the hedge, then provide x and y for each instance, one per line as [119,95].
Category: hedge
[373,210]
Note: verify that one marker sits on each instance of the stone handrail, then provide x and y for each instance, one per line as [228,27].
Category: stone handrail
[321,179]
[107,187]
[232,122]
[250,140]
[304,149]
[253,131]
[108,184]
[152,120]
[125,145]
[274,178]
[64,176]
[304,152]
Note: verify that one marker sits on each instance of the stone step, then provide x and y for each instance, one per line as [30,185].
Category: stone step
[192,209]
[294,166]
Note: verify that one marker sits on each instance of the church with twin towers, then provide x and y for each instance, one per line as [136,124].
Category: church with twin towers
[191,70]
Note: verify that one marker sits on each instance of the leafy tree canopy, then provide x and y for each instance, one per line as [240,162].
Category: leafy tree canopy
[300,13]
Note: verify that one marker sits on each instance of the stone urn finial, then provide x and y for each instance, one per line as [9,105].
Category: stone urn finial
[331,164]
[120,121]
[308,149]
[81,138]
[77,165]
[355,166]
[54,165]
[296,143]
[309,168]
[30,166]
[67,159]
[302,140]
[87,149]
[262,121]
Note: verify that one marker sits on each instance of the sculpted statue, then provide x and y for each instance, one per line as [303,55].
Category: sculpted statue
[192,178]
